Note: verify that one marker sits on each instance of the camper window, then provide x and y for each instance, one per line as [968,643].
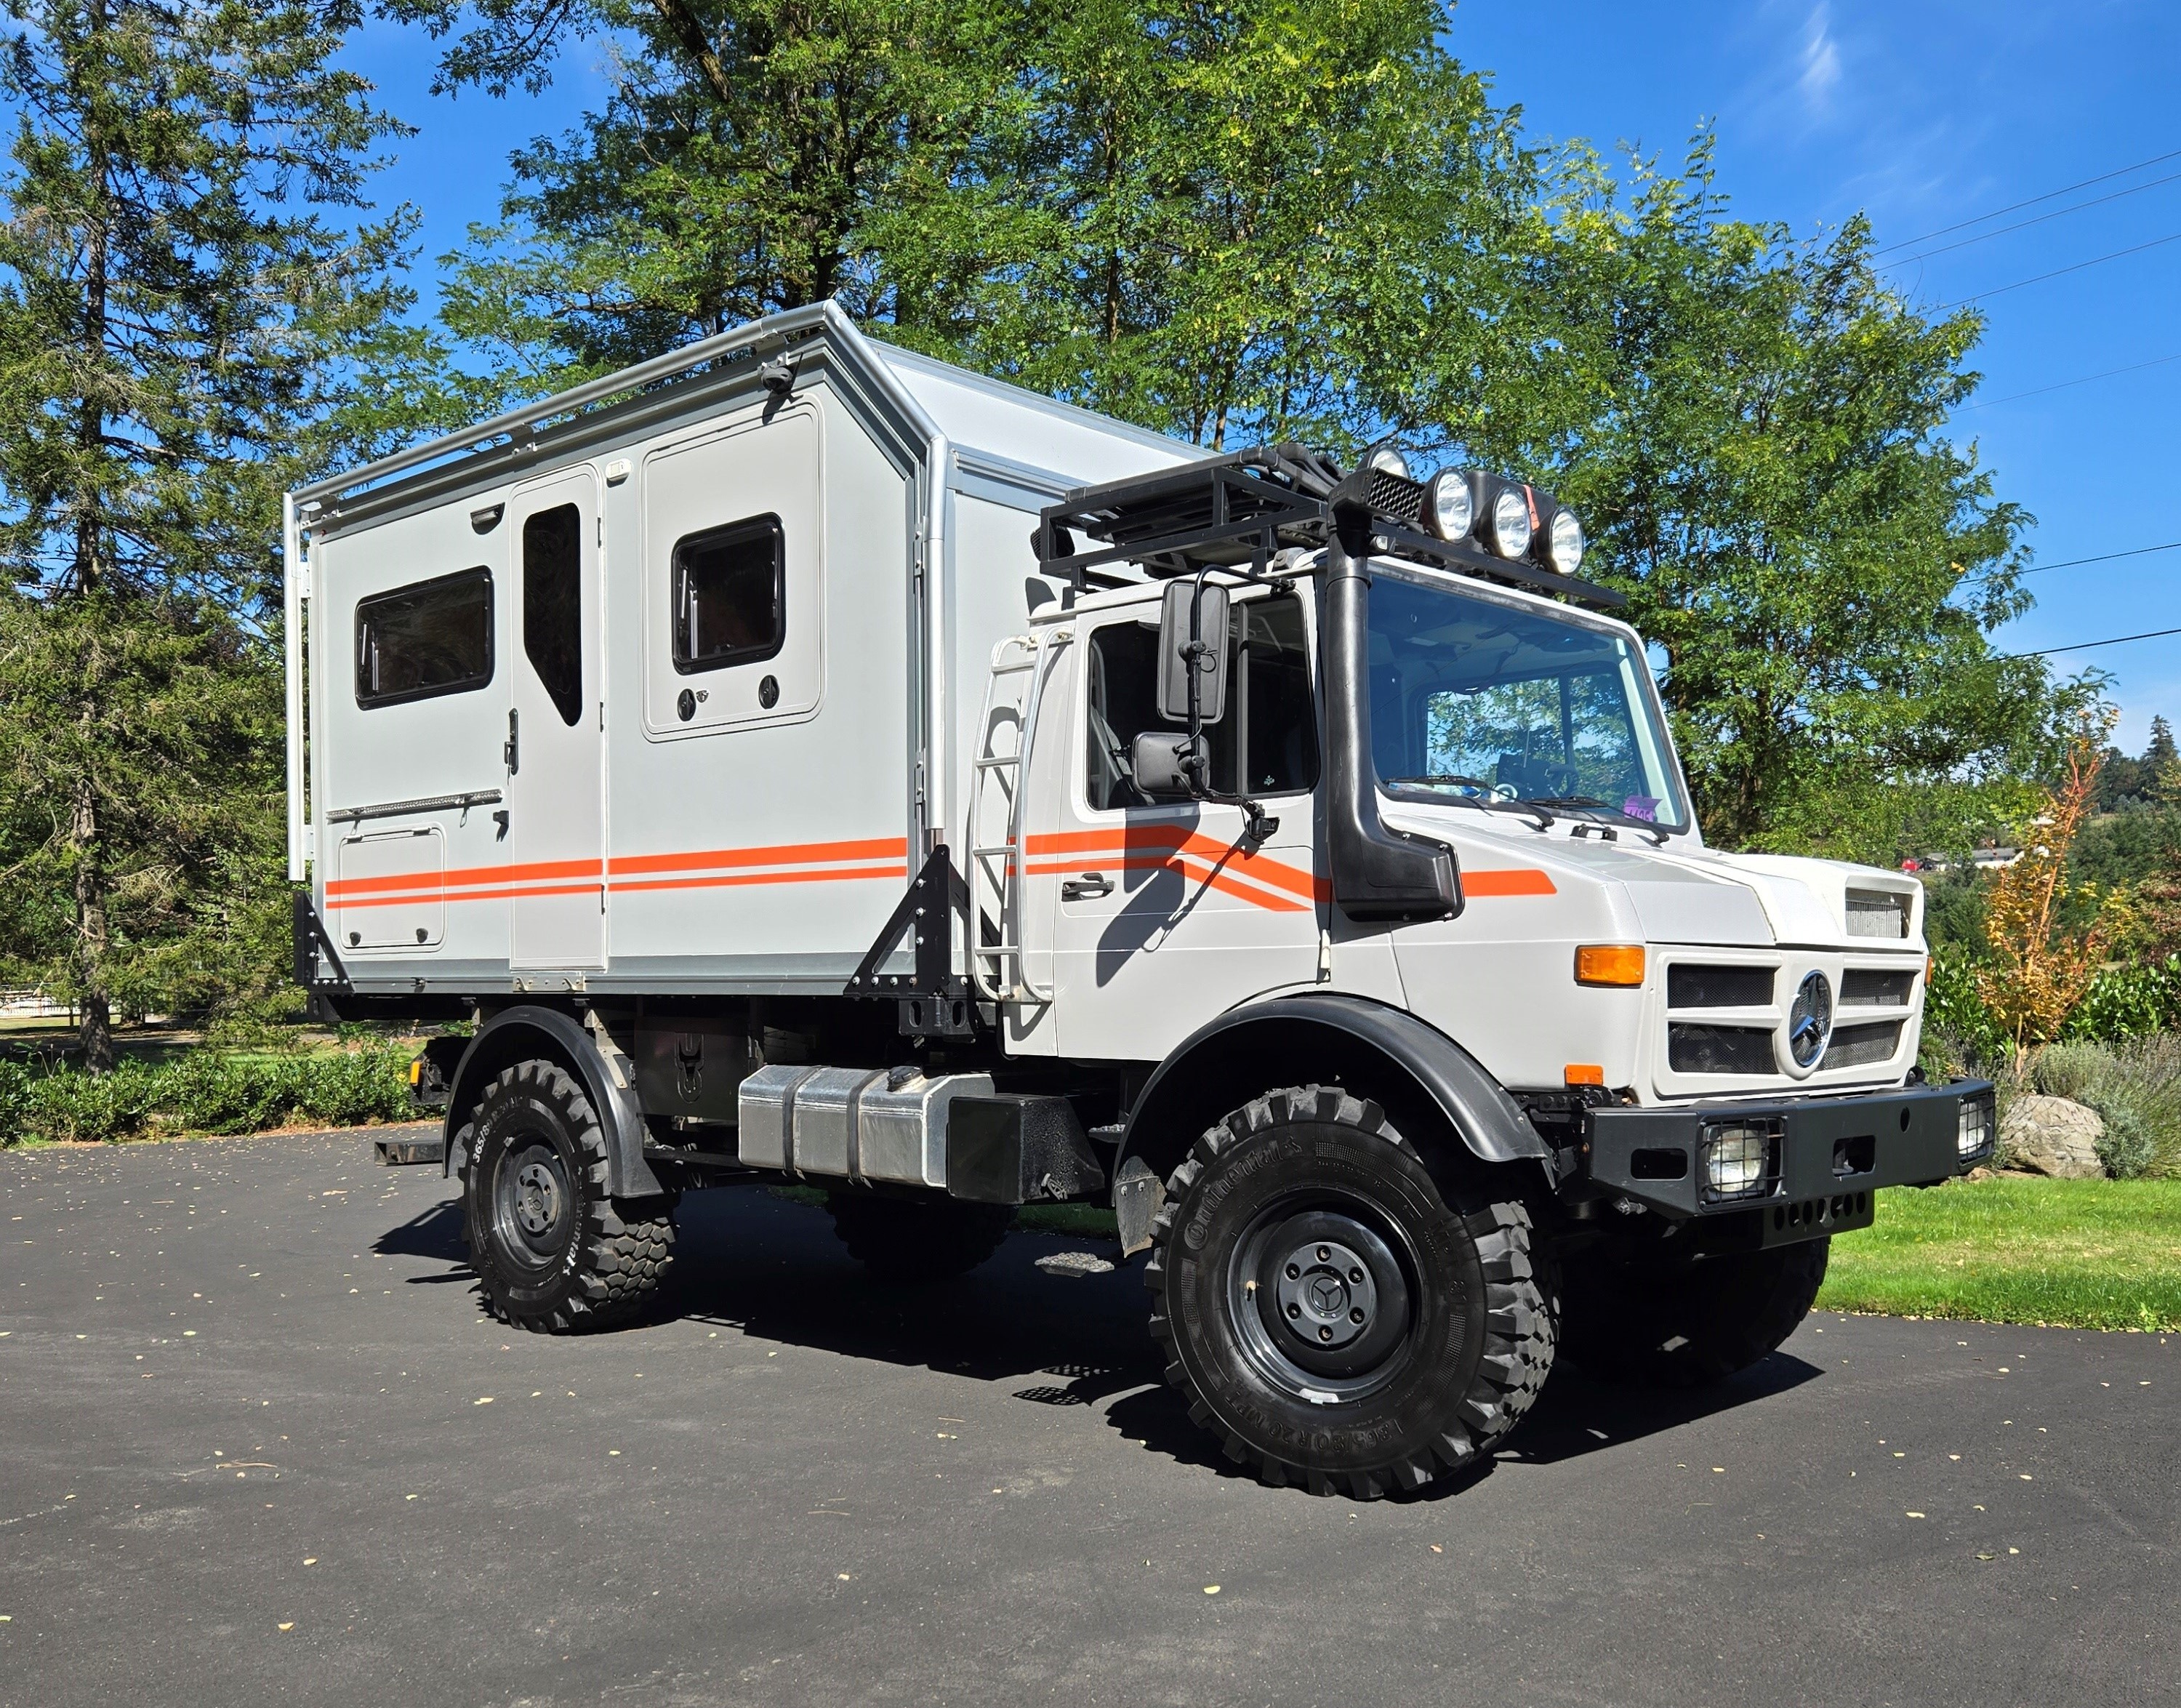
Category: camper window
[553,605]
[429,638]
[1270,714]
[730,594]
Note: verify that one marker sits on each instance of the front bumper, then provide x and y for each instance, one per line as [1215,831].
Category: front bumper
[1823,1158]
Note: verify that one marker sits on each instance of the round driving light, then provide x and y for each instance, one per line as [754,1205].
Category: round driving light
[1451,513]
[1386,460]
[1511,522]
[1566,548]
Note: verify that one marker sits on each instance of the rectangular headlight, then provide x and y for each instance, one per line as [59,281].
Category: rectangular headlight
[1975,1135]
[1740,1159]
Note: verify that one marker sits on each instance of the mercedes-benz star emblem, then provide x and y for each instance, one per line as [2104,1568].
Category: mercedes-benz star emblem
[1810,1021]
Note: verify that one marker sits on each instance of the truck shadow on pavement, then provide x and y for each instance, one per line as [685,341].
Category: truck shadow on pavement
[772,1270]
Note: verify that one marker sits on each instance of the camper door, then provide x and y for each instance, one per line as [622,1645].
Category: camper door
[555,785]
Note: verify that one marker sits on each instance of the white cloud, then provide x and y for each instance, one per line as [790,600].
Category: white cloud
[1820,62]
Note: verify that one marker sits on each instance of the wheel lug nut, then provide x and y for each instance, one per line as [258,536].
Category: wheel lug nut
[1325,1334]
[1356,1315]
[1295,1310]
[1295,1274]
[1356,1276]
[1323,1254]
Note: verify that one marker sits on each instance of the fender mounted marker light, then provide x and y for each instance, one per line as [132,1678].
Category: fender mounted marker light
[1609,964]
[1585,1074]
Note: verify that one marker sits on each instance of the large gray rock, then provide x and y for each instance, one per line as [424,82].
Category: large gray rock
[2052,1136]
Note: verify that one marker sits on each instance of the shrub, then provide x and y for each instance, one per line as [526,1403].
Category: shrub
[14,1100]
[204,1092]
[2070,1069]
[2131,1001]
[65,1104]
[347,1088]
[1957,1021]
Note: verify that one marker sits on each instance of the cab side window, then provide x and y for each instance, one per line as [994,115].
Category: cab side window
[1269,718]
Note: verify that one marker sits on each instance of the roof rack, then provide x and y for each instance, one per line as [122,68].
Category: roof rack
[1240,509]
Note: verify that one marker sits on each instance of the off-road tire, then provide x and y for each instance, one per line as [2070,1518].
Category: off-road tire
[554,1252]
[1692,1323]
[915,1239]
[1478,1306]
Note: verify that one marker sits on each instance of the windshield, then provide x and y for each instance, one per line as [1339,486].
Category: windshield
[1470,697]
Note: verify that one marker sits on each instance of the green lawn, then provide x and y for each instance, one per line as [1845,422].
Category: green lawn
[2082,1254]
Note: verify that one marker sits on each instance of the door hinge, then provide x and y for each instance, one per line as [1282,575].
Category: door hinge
[919,785]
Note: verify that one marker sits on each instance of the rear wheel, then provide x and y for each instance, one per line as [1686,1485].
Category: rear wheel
[917,1239]
[1688,1324]
[552,1251]
[1333,1318]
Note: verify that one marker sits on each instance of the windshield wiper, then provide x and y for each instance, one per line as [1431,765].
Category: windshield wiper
[1488,802]
[1590,807]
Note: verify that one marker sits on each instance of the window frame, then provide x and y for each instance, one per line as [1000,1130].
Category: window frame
[1238,707]
[480,573]
[766,525]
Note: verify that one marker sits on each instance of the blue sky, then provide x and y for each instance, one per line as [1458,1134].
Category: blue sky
[1920,113]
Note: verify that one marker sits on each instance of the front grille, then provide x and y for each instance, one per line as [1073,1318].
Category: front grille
[1390,494]
[1719,987]
[1864,987]
[1859,1047]
[1694,1049]
[1877,914]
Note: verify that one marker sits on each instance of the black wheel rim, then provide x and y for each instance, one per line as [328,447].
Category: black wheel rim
[1322,1293]
[534,1207]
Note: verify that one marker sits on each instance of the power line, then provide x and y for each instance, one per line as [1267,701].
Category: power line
[2095,260]
[2072,562]
[2025,224]
[2086,645]
[2012,207]
[2103,557]
[2038,391]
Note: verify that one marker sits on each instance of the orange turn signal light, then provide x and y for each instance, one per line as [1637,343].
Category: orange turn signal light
[1585,1074]
[1609,964]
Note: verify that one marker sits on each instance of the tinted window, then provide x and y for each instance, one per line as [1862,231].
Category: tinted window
[553,604]
[429,638]
[1270,714]
[730,588]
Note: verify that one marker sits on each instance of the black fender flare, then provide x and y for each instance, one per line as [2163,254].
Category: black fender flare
[526,1029]
[1322,1035]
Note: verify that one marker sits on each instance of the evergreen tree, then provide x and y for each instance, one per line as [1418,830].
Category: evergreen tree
[175,301]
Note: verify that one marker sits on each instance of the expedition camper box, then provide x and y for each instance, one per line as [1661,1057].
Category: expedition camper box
[808,761]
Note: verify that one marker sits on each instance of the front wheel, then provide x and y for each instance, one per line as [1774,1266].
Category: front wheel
[1333,1318]
[1690,1324]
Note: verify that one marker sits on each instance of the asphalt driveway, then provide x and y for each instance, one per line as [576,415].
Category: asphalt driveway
[258,1444]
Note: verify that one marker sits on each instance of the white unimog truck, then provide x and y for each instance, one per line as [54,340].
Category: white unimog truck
[812,762]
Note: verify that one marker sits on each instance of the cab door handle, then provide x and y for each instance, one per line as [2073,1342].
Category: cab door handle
[1084,888]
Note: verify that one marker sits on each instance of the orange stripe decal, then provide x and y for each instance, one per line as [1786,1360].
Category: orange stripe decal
[793,854]
[1514,880]
[722,880]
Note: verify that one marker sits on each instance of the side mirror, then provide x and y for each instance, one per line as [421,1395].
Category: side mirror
[1155,762]
[1175,659]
